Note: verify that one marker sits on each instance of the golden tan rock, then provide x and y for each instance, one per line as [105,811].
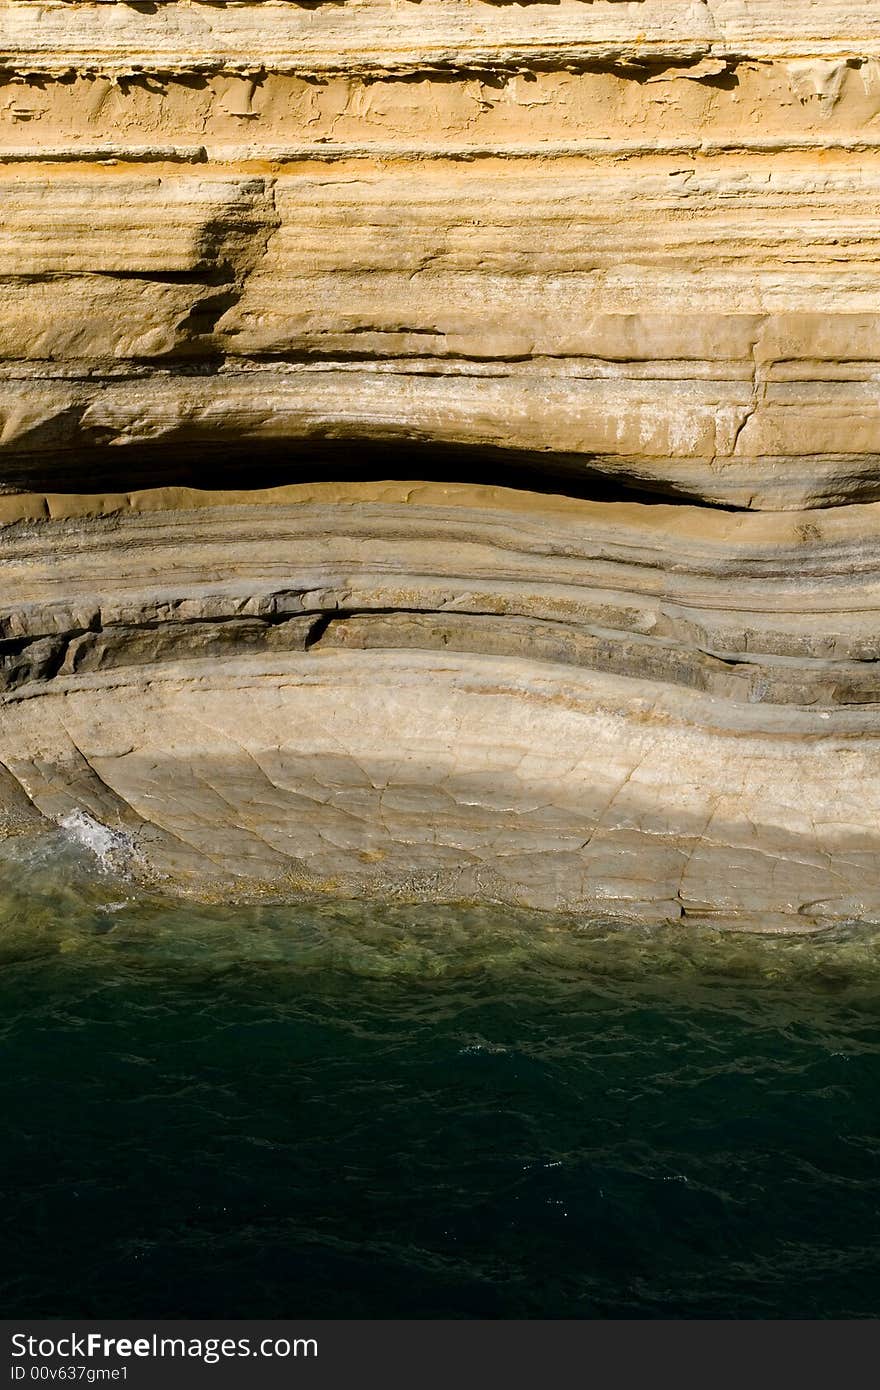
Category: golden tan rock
[376,377]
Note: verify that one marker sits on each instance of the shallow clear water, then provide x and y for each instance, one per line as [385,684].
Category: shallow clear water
[338,1109]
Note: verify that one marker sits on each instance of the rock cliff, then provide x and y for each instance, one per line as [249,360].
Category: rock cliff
[440,446]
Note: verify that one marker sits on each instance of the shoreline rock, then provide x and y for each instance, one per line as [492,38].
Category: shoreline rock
[440,448]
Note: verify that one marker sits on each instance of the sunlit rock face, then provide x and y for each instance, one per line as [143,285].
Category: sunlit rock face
[440,447]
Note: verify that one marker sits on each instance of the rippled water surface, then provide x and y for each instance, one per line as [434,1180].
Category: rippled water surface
[337,1109]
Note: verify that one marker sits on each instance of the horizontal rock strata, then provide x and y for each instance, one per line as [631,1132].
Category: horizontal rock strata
[440,445]
[456,691]
[634,238]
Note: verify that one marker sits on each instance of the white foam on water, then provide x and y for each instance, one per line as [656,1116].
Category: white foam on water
[113,849]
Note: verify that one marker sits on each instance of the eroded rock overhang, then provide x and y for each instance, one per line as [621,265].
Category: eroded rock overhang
[440,446]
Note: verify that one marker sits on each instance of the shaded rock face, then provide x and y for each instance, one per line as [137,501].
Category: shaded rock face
[440,447]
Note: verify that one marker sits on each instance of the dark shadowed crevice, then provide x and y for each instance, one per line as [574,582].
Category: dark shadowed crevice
[253,465]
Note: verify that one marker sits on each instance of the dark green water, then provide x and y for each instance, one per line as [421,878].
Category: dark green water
[340,1110]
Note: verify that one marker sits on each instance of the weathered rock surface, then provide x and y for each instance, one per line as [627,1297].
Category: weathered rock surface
[598,283]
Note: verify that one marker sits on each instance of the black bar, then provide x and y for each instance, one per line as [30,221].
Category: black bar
[316,1353]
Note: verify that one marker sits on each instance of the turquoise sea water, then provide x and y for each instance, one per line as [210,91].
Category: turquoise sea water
[339,1109]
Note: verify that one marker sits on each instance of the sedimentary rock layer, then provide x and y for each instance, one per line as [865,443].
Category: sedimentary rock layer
[454,691]
[623,257]
[639,239]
